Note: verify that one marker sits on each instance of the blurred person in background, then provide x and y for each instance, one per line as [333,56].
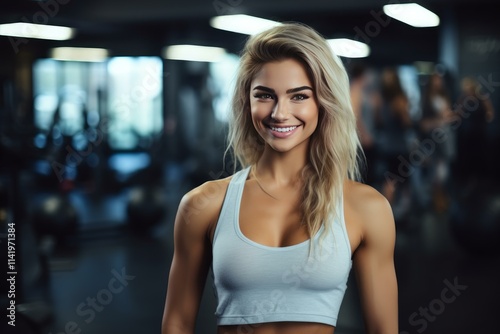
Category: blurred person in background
[394,130]
[475,110]
[436,114]
[363,98]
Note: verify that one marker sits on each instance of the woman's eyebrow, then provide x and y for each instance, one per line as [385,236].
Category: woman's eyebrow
[289,91]
[298,89]
[264,88]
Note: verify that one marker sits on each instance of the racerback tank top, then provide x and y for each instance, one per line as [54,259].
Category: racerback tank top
[254,283]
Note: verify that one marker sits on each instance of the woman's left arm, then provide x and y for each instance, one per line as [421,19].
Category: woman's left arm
[374,265]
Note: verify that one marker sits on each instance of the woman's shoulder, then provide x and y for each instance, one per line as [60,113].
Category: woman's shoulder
[360,192]
[207,196]
[200,207]
[366,204]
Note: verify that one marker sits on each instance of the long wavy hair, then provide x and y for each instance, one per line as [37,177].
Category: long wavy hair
[334,145]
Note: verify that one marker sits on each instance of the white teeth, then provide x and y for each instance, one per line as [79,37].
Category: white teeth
[291,128]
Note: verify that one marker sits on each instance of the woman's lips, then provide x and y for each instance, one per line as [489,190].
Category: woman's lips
[283,131]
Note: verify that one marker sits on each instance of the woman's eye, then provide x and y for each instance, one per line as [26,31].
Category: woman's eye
[263,96]
[300,97]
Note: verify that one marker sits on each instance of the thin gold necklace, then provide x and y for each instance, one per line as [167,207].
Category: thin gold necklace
[260,186]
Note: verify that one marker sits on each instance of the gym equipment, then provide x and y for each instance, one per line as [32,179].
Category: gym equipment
[55,216]
[146,207]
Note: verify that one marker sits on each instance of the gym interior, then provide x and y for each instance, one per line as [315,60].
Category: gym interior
[105,123]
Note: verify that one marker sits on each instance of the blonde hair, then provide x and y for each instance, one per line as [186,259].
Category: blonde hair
[334,145]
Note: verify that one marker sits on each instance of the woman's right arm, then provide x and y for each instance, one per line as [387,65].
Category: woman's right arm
[190,263]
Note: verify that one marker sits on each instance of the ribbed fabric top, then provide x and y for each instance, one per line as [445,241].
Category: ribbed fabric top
[254,283]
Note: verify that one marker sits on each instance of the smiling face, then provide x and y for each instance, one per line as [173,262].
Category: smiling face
[283,105]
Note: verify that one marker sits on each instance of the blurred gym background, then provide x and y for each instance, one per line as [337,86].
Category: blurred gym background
[106,121]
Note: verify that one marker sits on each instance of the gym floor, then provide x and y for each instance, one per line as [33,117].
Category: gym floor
[115,281]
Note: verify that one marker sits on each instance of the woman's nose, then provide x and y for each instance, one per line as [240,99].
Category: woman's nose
[280,112]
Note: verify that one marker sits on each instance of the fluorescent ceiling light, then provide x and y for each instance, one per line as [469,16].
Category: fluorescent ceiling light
[412,14]
[39,31]
[194,53]
[79,54]
[349,48]
[243,24]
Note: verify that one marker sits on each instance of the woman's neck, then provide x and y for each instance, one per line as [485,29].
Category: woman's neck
[281,168]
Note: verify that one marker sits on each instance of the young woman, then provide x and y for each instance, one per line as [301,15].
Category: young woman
[281,235]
